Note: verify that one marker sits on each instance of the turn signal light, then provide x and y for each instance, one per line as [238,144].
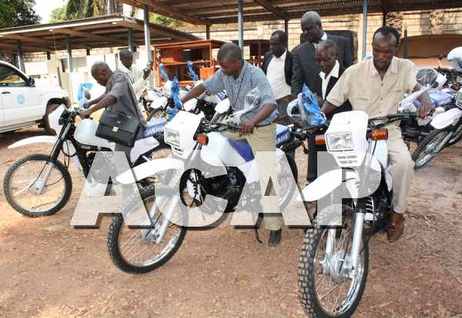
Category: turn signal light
[320,140]
[379,134]
[202,139]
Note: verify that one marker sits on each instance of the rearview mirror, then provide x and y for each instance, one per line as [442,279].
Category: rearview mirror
[31,81]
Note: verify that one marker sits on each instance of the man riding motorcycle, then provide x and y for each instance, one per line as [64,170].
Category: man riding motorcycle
[376,86]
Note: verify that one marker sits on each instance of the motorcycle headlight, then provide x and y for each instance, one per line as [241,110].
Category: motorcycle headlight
[339,142]
[172,137]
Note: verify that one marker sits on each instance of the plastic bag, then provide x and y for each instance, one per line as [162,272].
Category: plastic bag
[191,72]
[312,114]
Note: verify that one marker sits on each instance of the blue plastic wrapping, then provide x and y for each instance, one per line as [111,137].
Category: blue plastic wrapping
[438,98]
[163,72]
[313,114]
[191,72]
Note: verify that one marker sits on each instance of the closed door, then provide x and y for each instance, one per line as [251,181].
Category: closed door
[20,102]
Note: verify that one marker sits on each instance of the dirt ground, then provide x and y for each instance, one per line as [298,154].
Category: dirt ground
[49,269]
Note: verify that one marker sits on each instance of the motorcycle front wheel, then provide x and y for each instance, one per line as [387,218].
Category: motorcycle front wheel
[327,287]
[430,146]
[37,186]
[136,251]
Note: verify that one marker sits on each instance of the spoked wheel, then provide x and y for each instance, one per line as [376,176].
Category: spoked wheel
[430,146]
[286,186]
[37,186]
[139,250]
[328,286]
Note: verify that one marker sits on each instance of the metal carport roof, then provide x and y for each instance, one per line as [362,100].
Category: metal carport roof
[97,32]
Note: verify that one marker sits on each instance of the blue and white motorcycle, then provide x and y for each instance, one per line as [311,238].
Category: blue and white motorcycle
[193,138]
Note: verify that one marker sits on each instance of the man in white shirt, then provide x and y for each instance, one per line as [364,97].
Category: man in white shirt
[137,78]
[277,66]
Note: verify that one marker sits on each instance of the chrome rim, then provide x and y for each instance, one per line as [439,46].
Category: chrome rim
[139,247]
[337,286]
[37,186]
[431,149]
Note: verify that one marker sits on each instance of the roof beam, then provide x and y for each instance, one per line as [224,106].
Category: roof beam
[88,35]
[157,7]
[23,38]
[269,7]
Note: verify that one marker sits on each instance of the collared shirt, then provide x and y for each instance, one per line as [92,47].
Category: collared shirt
[362,85]
[277,77]
[136,77]
[323,38]
[119,86]
[242,91]
[326,78]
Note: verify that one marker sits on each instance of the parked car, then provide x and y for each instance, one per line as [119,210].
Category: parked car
[22,104]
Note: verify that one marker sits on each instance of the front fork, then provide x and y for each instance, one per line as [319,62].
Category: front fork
[41,181]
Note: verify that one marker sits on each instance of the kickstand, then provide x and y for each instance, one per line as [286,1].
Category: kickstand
[257,236]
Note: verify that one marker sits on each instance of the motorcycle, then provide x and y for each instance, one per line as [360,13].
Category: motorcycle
[192,137]
[447,132]
[156,101]
[414,130]
[334,259]
[40,184]
[333,263]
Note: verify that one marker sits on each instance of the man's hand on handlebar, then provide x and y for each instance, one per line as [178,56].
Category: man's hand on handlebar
[425,110]
[247,127]
[85,114]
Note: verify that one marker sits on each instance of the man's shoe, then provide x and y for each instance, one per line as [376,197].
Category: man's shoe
[274,238]
[396,227]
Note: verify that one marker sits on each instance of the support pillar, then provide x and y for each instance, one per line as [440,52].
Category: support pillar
[20,57]
[130,40]
[240,21]
[147,40]
[365,8]
[207,31]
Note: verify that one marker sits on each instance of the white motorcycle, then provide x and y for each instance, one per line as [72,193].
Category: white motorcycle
[192,138]
[40,184]
[333,263]
[447,132]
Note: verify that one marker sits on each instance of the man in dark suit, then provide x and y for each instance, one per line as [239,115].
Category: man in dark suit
[331,70]
[305,69]
[277,65]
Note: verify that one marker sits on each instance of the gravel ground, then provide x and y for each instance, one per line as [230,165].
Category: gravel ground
[49,269]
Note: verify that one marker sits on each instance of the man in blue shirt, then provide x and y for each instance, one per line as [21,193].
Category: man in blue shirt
[239,78]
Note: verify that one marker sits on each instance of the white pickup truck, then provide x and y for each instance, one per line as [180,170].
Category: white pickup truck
[22,104]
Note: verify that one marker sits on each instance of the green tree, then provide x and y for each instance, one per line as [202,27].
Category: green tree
[17,12]
[58,15]
[78,9]
[165,21]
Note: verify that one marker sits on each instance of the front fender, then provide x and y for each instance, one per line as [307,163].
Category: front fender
[149,169]
[34,140]
[323,185]
[42,140]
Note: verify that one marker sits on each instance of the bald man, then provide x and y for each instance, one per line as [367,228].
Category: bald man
[305,68]
[119,97]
